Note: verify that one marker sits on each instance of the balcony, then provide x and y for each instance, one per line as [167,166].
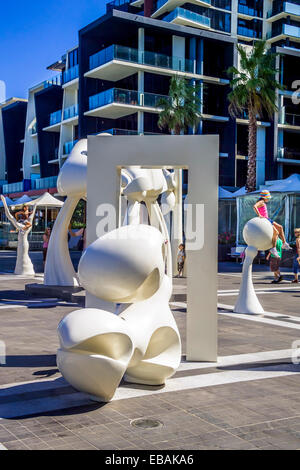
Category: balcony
[116,103]
[13,188]
[35,161]
[292,155]
[45,183]
[68,147]
[282,10]
[71,115]
[117,62]
[164,6]
[188,18]
[284,31]
[54,122]
[70,75]
[115,131]
[55,81]
[289,120]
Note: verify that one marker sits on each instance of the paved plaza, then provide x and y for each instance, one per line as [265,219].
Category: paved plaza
[250,399]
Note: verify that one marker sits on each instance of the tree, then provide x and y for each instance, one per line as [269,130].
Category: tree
[254,91]
[182,108]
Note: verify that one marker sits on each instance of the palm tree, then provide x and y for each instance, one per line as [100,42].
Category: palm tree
[182,108]
[254,91]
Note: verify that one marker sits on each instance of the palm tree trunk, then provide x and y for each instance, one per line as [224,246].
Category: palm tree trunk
[177,130]
[252,147]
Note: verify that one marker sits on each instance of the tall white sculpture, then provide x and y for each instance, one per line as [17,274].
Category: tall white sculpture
[59,270]
[141,344]
[138,185]
[258,234]
[24,264]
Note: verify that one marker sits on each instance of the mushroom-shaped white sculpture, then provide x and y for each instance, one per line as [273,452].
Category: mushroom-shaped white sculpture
[24,264]
[97,347]
[59,270]
[258,234]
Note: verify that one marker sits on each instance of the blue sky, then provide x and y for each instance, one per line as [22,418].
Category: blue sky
[36,33]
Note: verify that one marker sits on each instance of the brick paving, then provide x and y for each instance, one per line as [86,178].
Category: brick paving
[257,414]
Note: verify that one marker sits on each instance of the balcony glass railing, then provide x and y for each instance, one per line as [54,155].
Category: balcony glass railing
[286,29]
[35,159]
[55,118]
[71,112]
[128,54]
[68,147]
[45,183]
[13,188]
[284,7]
[189,16]
[117,4]
[289,119]
[161,3]
[71,74]
[55,81]
[289,153]
[115,131]
[125,97]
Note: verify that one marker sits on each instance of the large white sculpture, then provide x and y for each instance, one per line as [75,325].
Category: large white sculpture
[59,270]
[24,264]
[258,234]
[137,185]
[142,343]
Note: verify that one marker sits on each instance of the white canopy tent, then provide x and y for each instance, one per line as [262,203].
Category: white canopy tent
[46,200]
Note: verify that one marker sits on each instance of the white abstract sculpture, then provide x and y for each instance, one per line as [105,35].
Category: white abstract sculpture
[59,270]
[258,234]
[24,264]
[141,344]
[138,185]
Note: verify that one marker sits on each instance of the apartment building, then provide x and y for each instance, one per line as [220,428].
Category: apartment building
[113,80]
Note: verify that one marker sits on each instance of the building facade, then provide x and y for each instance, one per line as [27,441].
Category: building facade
[113,80]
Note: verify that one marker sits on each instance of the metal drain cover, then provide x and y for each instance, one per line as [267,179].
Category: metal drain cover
[146,423]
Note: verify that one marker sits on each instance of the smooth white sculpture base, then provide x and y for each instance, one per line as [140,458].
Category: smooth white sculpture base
[258,234]
[141,344]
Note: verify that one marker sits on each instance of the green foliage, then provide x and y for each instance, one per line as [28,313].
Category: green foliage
[254,85]
[181,109]
[79,216]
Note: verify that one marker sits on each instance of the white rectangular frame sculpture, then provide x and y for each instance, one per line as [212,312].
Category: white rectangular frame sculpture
[198,154]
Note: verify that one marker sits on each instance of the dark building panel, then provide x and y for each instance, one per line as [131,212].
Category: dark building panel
[46,102]
[14,121]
